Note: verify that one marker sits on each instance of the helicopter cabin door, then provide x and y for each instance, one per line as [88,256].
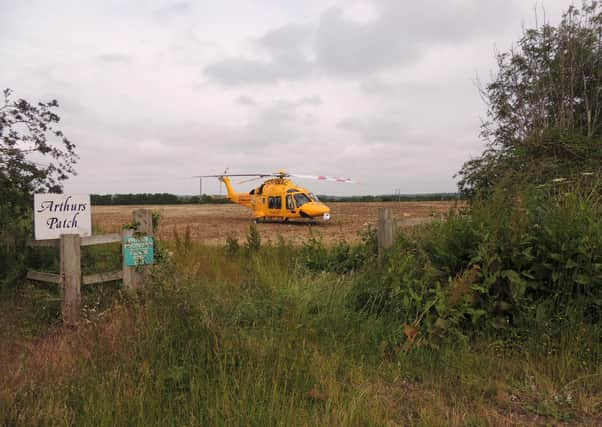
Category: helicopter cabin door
[275,206]
[290,203]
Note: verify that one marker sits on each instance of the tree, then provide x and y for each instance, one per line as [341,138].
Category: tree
[544,118]
[35,156]
[28,131]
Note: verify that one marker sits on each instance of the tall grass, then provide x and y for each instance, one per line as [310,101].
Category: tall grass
[255,337]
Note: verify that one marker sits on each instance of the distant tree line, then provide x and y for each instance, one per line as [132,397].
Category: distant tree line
[173,199]
[153,199]
[424,197]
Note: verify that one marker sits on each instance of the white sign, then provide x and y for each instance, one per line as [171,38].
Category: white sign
[56,214]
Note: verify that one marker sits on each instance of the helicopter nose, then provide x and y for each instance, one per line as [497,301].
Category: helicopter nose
[313,209]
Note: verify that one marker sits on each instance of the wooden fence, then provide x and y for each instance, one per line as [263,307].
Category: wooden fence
[70,279]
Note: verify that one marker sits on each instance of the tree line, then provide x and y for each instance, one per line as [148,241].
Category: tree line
[153,199]
[174,199]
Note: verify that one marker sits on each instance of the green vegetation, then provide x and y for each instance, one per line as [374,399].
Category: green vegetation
[491,317]
[28,133]
[262,335]
[420,197]
[544,107]
[153,199]
[173,199]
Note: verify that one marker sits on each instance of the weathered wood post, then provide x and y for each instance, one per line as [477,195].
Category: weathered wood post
[134,276]
[71,277]
[386,231]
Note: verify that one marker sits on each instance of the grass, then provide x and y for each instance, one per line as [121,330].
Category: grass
[256,339]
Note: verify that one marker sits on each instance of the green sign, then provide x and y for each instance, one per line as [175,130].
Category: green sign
[138,251]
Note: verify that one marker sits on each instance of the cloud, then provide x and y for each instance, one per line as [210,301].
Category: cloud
[401,34]
[347,47]
[378,86]
[285,42]
[286,60]
[245,100]
[311,100]
[234,71]
[375,129]
[395,34]
[173,11]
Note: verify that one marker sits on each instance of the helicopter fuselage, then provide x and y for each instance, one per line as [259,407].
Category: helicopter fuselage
[279,198]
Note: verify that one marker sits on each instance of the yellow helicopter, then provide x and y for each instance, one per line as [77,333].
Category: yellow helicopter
[279,198]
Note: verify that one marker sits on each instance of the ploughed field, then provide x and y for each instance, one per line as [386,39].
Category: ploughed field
[212,224]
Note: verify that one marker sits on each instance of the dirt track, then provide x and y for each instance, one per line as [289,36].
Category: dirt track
[213,223]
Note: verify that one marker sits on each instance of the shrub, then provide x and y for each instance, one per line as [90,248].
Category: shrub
[503,267]
[342,257]
[232,245]
[253,239]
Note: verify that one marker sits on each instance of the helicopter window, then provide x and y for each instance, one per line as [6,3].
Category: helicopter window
[292,190]
[289,202]
[314,197]
[275,202]
[252,191]
[301,199]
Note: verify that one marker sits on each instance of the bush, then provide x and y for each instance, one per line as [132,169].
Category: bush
[15,230]
[342,257]
[503,267]
[253,239]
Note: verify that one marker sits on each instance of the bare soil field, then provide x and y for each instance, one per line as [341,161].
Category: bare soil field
[212,224]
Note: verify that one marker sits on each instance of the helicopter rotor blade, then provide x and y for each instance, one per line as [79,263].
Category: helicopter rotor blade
[326,178]
[259,175]
[281,174]
[244,181]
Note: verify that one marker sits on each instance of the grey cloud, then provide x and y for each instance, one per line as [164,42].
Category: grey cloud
[376,129]
[344,46]
[287,61]
[285,41]
[402,32]
[381,87]
[245,100]
[235,71]
[400,35]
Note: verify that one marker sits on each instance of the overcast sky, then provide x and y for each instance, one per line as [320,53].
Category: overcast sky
[152,92]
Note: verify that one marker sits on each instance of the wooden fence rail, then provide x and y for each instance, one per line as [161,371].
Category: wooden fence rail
[70,279]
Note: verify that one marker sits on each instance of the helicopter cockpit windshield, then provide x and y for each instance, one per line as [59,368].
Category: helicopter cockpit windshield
[313,197]
[301,199]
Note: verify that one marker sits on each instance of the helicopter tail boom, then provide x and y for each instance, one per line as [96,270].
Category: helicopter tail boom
[240,198]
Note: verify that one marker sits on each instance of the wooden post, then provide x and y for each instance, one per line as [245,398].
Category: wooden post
[385,233]
[71,277]
[144,218]
[134,277]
